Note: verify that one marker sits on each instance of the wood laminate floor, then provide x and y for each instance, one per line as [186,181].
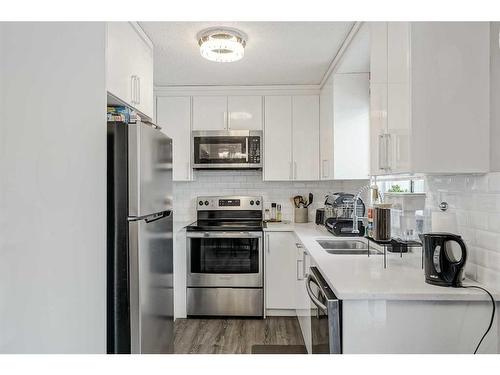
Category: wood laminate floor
[231,336]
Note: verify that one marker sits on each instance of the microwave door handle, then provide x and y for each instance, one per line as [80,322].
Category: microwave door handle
[315,299]
[247,151]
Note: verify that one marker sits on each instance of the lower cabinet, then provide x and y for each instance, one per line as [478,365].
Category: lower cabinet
[280,269]
[302,300]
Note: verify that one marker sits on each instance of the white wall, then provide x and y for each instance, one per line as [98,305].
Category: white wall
[52,188]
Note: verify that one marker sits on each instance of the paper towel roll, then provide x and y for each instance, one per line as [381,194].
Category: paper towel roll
[444,222]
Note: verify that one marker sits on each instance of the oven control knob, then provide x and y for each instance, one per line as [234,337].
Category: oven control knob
[251,203]
[257,203]
[200,203]
[206,203]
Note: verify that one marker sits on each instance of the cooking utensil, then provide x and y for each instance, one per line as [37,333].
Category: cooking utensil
[298,200]
[310,200]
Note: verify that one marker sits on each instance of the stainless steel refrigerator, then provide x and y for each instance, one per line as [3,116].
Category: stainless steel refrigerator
[139,239]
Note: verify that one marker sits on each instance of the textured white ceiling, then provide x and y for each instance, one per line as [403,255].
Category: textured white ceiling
[277,53]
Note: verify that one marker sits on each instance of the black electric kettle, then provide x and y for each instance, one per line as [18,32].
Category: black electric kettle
[442,266]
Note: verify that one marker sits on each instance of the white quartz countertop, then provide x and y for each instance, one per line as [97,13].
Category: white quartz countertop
[359,277]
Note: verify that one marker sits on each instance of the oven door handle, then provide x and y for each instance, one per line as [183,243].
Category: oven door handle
[203,234]
[315,299]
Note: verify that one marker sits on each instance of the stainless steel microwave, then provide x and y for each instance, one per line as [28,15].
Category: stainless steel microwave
[227,149]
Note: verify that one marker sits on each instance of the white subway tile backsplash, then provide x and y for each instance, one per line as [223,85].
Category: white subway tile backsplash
[494,182]
[476,201]
[250,183]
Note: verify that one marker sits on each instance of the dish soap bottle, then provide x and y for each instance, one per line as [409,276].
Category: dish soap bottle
[278,212]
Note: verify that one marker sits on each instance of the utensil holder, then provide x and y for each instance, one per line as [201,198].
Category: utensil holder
[301,215]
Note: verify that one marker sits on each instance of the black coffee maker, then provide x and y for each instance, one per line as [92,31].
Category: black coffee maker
[441,264]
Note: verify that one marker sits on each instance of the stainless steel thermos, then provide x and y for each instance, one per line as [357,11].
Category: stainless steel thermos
[381,223]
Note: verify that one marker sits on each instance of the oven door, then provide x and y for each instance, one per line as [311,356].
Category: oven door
[224,259]
[226,149]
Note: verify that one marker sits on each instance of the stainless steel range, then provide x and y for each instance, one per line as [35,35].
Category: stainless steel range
[225,258]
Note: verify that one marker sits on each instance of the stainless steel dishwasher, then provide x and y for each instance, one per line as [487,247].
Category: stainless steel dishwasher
[326,319]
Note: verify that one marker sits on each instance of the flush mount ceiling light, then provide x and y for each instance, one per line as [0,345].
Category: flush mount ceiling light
[222,44]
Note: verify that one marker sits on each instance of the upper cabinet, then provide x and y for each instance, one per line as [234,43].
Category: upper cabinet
[305,131]
[209,112]
[173,114]
[291,138]
[278,138]
[429,97]
[130,66]
[244,112]
[344,114]
[227,112]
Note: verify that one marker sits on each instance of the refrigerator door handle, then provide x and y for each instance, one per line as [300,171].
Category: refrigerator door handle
[150,218]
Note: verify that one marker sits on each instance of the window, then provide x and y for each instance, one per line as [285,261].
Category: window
[406,185]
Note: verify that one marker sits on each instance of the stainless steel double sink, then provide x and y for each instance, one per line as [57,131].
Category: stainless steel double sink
[346,247]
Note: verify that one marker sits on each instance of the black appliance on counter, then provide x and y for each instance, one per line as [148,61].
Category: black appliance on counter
[339,208]
[343,227]
[225,273]
[441,264]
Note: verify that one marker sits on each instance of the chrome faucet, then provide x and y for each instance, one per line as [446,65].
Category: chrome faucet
[355,216]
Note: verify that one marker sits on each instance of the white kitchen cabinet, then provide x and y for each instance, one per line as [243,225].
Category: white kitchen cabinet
[281,272]
[326,130]
[173,114]
[291,138]
[305,129]
[433,101]
[130,66]
[302,300]
[209,112]
[345,127]
[278,138]
[244,112]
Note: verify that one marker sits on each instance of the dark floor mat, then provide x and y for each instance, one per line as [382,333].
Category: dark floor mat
[279,349]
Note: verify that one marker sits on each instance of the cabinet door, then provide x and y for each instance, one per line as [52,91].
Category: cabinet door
[278,138]
[351,114]
[280,270]
[378,52]
[144,72]
[326,131]
[173,114]
[305,130]
[398,52]
[245,112]
[398,127]
[302,300]
[119,60]
[209,112]
[379,155]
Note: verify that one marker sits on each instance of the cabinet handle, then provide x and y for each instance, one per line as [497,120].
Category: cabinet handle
[267,243]
[291,170]
[138,90]
[380,150]
[297,270]
[388,154]
[325,175]
[132,89]
[383,152]
[294,170]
